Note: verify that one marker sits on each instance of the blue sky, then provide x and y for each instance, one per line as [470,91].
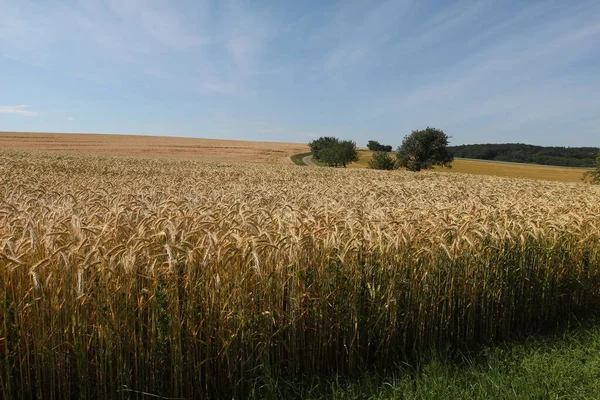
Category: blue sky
[483,71]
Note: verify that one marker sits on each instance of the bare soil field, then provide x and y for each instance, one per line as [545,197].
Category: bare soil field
[230,151]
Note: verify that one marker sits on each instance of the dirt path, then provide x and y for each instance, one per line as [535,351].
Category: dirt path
[308,161]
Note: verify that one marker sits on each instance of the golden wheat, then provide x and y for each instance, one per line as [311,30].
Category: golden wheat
[122,276]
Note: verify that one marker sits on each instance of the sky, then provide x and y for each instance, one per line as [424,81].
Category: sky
[483,71]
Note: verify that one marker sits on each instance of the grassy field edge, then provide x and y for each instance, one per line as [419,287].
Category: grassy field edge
[563,365]
[297,158]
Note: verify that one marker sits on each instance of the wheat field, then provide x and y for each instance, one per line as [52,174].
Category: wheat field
[509,170]
[214,150]
[125,277]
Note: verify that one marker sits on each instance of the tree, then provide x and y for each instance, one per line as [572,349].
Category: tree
[317,145]
[333,152]
[347,152]
[382,160]
[330,155]
[594,175]
[374,145]
[423,150]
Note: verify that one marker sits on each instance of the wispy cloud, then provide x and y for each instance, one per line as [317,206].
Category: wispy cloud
[247,34]
[23,110]
[204,48]
[365,32]
[519,77]
[353,67]
[158,21]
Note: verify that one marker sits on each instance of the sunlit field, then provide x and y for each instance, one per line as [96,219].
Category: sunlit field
[511,170]
[231,151]
[122,276]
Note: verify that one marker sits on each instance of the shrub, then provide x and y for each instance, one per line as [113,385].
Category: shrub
[382,160]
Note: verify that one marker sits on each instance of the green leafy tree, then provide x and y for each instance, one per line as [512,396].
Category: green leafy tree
[374,145]
[424,149]
[382,160]
[348,152]
[333,152]
[593,176]
[330,155]
[317,145]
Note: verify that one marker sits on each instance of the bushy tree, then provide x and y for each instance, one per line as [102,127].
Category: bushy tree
[374,145]
[348,152]
[382,160]
[317,145]
[593,176]
[330,155]
[333,152]
[339,154]
[424,149]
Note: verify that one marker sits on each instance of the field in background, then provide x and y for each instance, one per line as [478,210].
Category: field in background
[510,170]
[233,151]
[229,151]
[181,278]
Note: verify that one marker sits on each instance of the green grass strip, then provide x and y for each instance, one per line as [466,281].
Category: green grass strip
[566,366]
[297,158]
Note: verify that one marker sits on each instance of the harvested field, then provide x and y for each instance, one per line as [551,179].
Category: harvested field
[231,151]
[183,279]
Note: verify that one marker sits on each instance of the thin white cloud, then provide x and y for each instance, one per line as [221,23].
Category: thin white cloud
[158,21]
[23,110]
[367,34]
[203,47]
[112,40]
[71,118]
[248,34]
[371,64]
[440,24]
[516,79]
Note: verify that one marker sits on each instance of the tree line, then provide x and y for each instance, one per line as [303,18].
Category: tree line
[422,149]
[374,145]
[526,153]
[426,148]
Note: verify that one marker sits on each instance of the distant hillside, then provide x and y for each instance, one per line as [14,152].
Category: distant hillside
[526,153]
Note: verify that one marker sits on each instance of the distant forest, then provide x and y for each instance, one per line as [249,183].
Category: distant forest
[526,153]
